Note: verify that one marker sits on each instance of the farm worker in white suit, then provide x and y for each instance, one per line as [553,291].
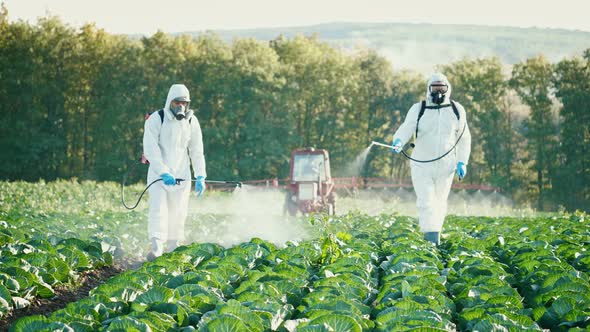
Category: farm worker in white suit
[170,138]
[438,123]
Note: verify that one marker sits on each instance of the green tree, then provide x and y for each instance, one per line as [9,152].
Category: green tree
[255,121]
[532,81]
[33,79]
[3,17]
[74,102]
[480,87]
[320,91]
[210,85]
[119,103]
[407,89]
[375,104]
[89,53]
[572,83]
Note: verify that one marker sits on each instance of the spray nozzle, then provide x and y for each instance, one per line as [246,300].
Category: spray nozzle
[238,184]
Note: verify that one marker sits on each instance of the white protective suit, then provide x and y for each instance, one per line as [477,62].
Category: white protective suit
[438,131]
[168,145]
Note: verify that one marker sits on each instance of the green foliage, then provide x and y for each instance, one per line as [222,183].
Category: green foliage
[488,274]
[572,79]
[31,266]
[532,81]
[480,87]
[74,101]
[39,323]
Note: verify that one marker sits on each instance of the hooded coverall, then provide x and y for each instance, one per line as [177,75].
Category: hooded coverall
[168,145]
[438,131]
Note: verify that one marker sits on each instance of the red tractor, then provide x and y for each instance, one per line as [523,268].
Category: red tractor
[310,187]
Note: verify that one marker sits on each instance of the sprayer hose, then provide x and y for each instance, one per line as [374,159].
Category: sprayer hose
[237,183]
[132,170]
[435,159]
[140,196]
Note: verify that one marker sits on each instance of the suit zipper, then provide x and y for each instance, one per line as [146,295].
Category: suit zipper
[438,135]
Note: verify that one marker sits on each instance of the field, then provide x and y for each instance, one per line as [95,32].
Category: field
[243,271]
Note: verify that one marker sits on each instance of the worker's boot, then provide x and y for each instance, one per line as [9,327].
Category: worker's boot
[433,237]
[157,249]
[171,245]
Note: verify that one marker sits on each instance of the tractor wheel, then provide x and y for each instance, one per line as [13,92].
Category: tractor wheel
[289,207]
[332,203]
[293,209]
[331,211]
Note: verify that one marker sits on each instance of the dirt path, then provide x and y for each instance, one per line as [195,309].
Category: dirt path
[64,295]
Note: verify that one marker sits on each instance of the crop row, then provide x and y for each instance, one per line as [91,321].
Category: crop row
[251,287]
[412,293]
[481,289]
[544,259]
[362,273]
[32,264]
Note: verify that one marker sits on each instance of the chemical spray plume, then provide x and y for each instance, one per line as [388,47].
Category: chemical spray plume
[248,212]
[355,168]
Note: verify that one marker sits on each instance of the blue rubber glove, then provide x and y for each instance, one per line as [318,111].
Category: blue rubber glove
[168,179]
[461,170]
[397,146]
[200,186]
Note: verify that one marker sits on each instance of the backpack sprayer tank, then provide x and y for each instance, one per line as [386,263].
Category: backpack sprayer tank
[143,159]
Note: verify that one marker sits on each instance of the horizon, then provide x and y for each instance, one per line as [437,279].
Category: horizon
[145,17]
[377,23]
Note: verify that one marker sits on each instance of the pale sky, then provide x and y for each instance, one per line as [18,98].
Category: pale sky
[148,16]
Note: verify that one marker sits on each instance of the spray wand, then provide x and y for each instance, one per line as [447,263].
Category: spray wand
[412,145]
[407,156]
[380,144]
[237,184]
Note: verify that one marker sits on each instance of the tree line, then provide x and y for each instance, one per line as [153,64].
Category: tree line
[73,102]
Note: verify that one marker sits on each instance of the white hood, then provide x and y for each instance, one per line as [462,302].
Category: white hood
[176,91]
[438,77]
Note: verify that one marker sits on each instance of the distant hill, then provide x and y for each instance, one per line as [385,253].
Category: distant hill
[421,46]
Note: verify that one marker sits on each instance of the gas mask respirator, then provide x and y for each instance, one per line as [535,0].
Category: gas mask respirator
[437,93]
[179,111]
[437,97]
